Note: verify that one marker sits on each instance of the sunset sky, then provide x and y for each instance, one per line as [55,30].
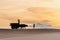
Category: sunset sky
[29,12]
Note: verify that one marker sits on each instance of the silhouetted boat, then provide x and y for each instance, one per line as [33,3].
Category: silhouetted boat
[17,25]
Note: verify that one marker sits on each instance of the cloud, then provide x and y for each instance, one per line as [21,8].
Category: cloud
[30,11]
[41,12]
[6,17]
[44,13]
[46,0]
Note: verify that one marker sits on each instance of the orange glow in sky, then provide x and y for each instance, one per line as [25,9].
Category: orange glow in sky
[30,11]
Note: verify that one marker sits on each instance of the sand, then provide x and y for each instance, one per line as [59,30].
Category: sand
[30,34]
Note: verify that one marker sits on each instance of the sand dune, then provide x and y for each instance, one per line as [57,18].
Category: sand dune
[30,34]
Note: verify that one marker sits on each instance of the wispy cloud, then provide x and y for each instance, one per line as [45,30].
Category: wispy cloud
[31,11]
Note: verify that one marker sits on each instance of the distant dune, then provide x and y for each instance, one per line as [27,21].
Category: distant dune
[30,34]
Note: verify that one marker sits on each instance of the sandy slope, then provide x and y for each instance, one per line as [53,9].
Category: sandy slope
[30,34]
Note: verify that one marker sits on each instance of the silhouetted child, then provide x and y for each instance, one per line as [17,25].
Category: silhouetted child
[18,21]
[33,26]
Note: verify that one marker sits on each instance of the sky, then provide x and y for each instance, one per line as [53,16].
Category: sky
[29,12]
